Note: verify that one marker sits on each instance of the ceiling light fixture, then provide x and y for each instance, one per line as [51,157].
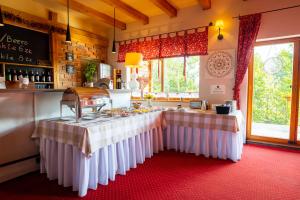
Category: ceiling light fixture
[68,34]
[220,26]
[114,41]
[1,18]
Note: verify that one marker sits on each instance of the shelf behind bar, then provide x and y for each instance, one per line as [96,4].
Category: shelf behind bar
[27,65]
[43,82]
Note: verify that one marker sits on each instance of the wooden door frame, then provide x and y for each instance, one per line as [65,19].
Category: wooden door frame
[295,94]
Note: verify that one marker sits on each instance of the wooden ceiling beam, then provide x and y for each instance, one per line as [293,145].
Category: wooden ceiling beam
[128,10]
[51,21]
[79,7]
[205,4]
[165,6]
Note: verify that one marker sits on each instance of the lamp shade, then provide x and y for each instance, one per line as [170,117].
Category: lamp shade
[133,60]
[1,18]
[219,24]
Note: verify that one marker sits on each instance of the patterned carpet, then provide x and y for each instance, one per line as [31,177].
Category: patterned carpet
[263,173]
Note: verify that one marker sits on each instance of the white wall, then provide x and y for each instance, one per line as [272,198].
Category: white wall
[274,25]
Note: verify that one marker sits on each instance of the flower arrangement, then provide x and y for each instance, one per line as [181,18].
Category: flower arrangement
[149,96]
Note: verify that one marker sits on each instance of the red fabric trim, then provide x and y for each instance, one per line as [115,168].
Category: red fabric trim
[177,46]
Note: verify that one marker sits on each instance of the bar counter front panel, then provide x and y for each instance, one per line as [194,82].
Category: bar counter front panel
[20,109]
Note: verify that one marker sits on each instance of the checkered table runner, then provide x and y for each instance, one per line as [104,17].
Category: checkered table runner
[207,119]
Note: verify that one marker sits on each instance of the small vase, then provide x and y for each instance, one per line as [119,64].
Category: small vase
[89,84]
[149,103]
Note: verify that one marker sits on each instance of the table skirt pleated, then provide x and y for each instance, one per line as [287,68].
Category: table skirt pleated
[207,142]
[72,168]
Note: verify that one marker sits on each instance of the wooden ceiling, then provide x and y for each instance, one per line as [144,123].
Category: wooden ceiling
[128,11]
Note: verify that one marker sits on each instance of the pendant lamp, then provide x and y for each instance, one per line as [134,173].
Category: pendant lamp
[114,41]
[68,34]
[1,18]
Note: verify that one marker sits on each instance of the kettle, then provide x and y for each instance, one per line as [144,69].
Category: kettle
[203,104]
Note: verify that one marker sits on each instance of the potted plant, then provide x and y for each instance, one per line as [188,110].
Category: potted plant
[89,73]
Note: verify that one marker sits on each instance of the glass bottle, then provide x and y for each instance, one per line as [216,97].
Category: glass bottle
[15,75]
[8,75]
[25,74]
[32,78]
[37,76]
[20,75]
[43,77]
[49,77]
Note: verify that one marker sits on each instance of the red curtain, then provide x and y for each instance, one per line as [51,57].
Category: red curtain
[249,26]
[197,43]
[179,45]
[150,49]
[172,46]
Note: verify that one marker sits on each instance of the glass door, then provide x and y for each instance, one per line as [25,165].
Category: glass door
[270,92]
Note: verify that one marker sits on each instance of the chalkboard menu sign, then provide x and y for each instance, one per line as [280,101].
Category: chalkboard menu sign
[19,45]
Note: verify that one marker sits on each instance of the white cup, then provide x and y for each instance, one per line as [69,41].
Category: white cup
[24,81]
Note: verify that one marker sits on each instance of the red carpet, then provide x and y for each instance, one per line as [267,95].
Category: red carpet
[263,173]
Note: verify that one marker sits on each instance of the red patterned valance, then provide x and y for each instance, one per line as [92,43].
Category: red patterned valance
[186,44]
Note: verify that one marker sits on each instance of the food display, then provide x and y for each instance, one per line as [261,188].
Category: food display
[136,105]
[82,97]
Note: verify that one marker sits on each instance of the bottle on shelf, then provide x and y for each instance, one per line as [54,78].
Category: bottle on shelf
[37,76]
[15,75]
[31,76]
[119,83]
[25,75]
[8,75]
[20,75]
[49,77]
[43,77]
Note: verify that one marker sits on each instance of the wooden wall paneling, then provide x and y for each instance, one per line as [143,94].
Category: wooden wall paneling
[46,21]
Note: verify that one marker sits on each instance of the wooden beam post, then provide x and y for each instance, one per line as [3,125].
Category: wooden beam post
[165,6]
[128,10]
[74,5]
[205,4]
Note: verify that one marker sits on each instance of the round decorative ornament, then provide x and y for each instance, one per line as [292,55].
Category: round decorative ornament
[273,65]
[219,64]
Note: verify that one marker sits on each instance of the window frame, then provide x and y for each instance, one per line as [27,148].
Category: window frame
[161,63]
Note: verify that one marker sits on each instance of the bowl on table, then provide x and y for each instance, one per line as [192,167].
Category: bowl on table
[223,109]
[136,105]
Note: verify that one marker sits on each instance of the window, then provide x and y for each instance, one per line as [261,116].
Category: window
[166,77]
[273,92]
[175,84]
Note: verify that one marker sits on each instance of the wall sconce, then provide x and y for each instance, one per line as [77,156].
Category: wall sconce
[220,26]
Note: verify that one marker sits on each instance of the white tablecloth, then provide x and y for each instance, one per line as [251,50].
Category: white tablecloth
[77,157]
[208,142]
[71,167]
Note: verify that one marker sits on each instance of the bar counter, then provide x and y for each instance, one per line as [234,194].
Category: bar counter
[19,113]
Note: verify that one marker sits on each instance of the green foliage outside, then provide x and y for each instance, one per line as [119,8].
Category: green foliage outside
[173,75]
[156,82]
[272,91]
[174,78]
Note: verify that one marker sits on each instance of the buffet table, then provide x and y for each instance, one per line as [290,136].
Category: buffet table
[84,154]
[92,152]
[206,133]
